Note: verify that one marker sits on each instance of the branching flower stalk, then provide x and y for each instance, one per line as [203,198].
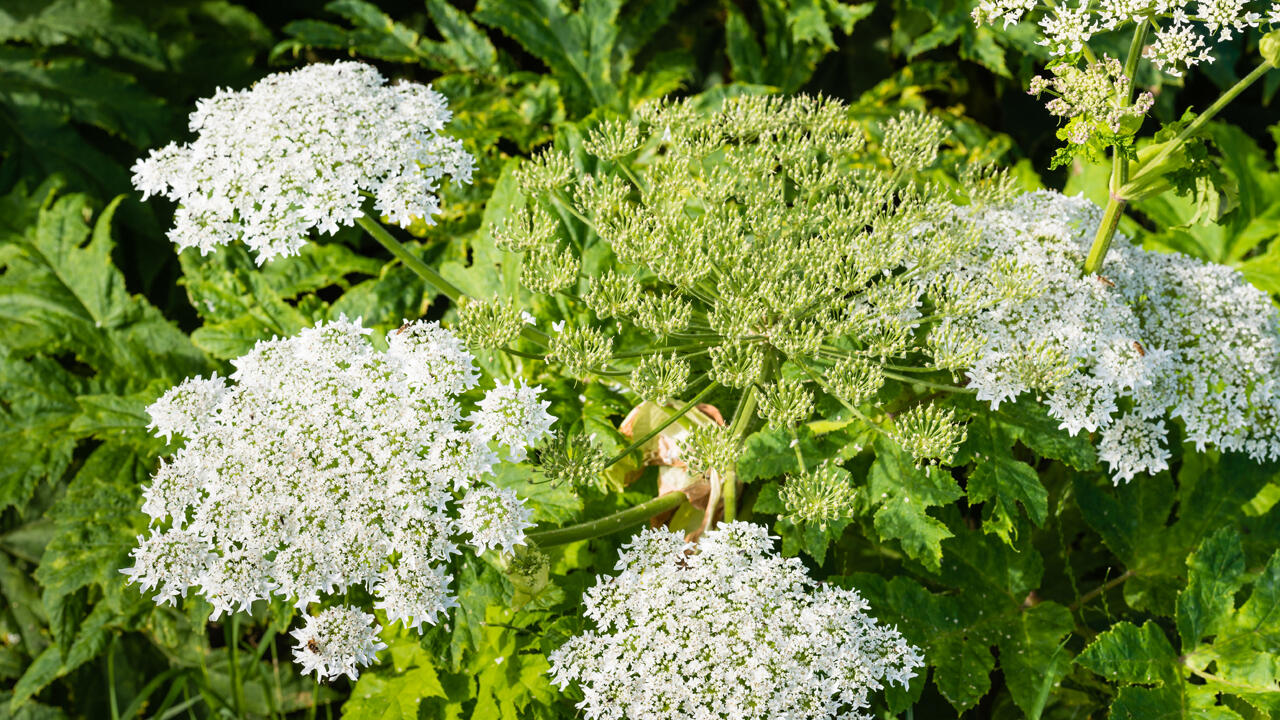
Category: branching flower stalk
[768,232]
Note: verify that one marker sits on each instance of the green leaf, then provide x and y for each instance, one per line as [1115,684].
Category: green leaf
[795,36]
[1215,573]
[95,523]
[1005,483]
[38,406]
[1130,654]
[1134,520]
[53,664]
[465,44]
[395,690]
[1033,655]
[1169,703]
[578,47]
[74,340]
[901,494]
[550,503]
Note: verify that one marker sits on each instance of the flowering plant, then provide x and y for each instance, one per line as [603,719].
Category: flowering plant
[888,451]
[326,465]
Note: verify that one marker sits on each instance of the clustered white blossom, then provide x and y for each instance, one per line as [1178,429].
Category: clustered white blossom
[726,629]
[1182,29]
[325,463]
[1159,335]
[297,151]
[1092,95]
[336,642]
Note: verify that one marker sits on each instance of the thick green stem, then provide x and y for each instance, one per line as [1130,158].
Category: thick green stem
[741,421]
[609,524]
[738,427]
[662,426]
[1154,165]
[411,261]
[1106,232]
[1119,165]
[237,684]
[426,272]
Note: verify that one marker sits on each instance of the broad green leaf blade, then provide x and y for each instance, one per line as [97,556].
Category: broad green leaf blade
[1033,655]
[1215,573]
[1130,654]
[901,494]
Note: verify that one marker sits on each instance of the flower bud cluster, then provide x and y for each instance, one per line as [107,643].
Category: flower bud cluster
[1092,98]
[326,464]
[297,151]
[758,233]
[726,629]
[820,496]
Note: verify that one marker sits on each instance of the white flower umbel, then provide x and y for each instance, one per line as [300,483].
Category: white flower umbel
[726,629]
[1159,335]
[296,151]
[325,463]
[336,642]
[1183,29]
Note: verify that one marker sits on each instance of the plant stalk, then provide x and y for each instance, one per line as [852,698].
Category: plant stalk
[1194,127]
[1119,166]
[426,272]
[609,524]
[1145,182]
[661,426]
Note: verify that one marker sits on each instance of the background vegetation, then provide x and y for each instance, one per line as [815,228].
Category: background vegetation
[98,316]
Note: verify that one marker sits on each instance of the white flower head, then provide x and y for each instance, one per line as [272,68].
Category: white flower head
[297,151]
[337,642]
[326,464]
[414,594]
[169,562]
[1157,336]
[513,416]
[726,629]
[495,517]
[179,410]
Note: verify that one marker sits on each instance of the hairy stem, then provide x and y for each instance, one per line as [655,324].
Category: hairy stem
[609,524]
[738,427]
[1119,166]
[741,421]
[1106,232]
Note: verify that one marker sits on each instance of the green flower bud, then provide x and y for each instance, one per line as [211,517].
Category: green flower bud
[576,460]
[582,349]
[820,496]
[488,323]
[612,139]
[547,270]
[612,295]
[526,229]
[929,433]
[736,364]
[785,403]
[662,314]
[659,377]
[544,172]
[711,448]
[855,380]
